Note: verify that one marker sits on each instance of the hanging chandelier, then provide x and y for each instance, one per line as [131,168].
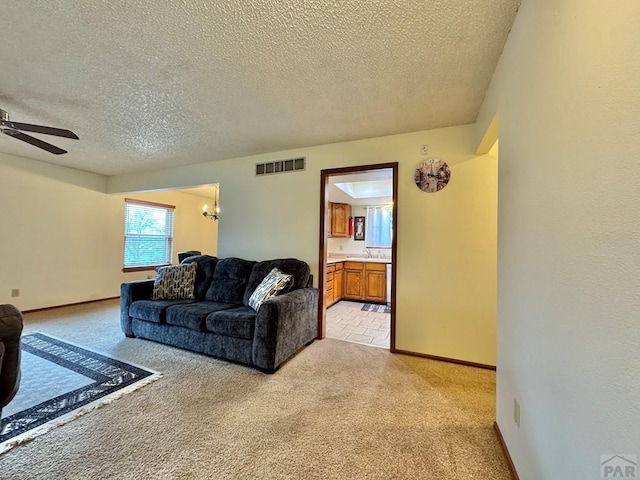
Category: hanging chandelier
[215,207]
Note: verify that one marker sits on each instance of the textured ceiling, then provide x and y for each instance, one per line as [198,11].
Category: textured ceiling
[148,84]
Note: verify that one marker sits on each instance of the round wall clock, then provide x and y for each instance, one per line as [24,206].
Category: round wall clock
[432,175]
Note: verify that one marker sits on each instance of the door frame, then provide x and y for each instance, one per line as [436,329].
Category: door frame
[322,255]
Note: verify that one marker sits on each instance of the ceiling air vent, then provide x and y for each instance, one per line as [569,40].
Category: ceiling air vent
[280,166]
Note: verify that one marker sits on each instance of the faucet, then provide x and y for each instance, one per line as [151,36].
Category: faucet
[368,252]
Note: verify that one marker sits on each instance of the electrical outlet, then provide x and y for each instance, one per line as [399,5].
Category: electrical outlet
[15,292]
[424,149]
[516,412]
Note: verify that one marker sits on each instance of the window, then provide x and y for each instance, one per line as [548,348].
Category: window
[148,234]
[379,227]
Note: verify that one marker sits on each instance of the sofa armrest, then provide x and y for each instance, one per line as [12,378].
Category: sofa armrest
[11,324]
[284,325]
[129,293]
[1,355]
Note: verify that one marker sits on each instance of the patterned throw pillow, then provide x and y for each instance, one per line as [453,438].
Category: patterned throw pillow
[273,283]
[175,282]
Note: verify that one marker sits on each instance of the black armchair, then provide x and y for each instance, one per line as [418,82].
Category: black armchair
[187,254]
[10,332]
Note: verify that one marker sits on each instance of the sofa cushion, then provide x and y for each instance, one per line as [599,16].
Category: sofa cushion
[204,273]
[174,282]
[237,322]
[274,283]
[299,269]
[153,310]
[230,280]
[193,316]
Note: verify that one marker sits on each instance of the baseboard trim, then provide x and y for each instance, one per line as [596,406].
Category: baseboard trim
[445,359]
[68,305]
[512,467]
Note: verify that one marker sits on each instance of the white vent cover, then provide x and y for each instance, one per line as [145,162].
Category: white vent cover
[280,166]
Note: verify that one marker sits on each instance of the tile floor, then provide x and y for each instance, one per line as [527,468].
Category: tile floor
[347,321]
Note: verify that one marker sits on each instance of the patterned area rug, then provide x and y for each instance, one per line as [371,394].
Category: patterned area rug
[60,382]
[372,307]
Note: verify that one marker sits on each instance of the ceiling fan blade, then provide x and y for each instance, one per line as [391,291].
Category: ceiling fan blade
[58,132]
[35,142]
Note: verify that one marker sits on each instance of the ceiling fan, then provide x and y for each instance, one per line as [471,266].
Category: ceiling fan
[13,130]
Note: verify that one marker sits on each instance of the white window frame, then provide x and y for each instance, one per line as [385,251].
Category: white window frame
[166,236]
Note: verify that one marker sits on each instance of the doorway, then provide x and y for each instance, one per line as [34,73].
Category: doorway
[358,248]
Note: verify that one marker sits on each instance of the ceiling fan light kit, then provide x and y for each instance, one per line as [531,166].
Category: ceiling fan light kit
[15,130]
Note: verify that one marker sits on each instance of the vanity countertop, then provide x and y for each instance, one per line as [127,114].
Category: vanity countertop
[332,260]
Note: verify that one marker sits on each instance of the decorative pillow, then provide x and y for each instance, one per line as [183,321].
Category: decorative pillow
[275,282]
[175,282]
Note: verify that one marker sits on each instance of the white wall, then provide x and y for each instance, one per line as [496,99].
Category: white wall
[446,296]
[567,87]
[61,238]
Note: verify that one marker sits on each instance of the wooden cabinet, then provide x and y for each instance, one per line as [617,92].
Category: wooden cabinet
[365,281]
[338,282]
[330,284]
[338,219]
[353,280]
[362,281]
[375,282]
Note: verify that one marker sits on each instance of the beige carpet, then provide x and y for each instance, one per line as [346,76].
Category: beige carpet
[335,411]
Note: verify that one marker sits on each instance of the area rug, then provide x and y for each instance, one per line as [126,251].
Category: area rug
[60,382]
[372,307]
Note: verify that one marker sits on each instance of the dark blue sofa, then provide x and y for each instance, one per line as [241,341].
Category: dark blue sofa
[10,333]
[219,321]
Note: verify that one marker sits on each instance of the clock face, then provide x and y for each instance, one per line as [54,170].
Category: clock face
[432,175]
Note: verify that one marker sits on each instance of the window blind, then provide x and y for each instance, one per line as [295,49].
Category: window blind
[148,234]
